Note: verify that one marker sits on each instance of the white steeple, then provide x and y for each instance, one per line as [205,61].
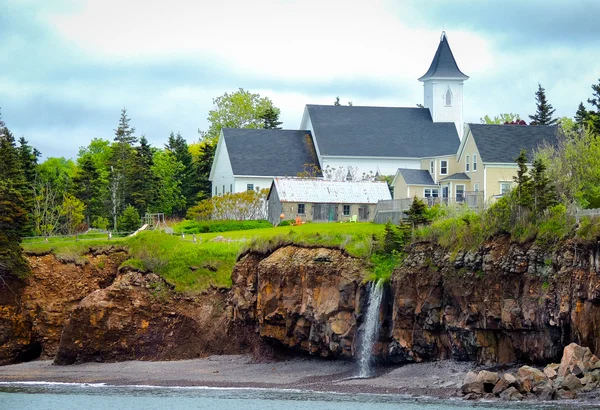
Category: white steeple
[443,87]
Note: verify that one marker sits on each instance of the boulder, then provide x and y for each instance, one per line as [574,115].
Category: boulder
[589,387]
[507,380]
[571,383]
[587,379]
[546,393]
[528,372]
[511,394]
[551,371]
[576,358]
[565,394]
[473,387]
[487,377]
[470,378]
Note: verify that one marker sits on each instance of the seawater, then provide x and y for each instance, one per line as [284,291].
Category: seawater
[16,396]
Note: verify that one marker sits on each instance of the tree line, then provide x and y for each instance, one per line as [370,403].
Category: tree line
[544,114]
[111,184]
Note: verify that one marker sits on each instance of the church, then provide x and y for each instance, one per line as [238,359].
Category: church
[429,150]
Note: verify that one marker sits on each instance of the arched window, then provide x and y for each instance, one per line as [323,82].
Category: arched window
[448,97]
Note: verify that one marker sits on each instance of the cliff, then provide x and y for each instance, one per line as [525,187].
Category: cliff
[500,304]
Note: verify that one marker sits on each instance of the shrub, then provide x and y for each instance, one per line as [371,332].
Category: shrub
[129,220]
[589,228]
[100,223]
[245,205]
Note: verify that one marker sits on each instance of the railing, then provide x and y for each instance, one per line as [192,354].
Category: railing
[586,212]
[394,209]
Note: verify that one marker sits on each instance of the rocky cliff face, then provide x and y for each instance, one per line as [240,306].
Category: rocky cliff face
[33,311]
[302,298]
[501,304]
[138,317]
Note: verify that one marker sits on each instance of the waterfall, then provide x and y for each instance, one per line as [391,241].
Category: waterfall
[371,328]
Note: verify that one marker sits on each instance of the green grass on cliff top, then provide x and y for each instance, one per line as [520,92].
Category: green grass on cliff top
[193,267]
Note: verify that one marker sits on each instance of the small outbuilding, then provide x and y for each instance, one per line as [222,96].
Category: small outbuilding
[322,200]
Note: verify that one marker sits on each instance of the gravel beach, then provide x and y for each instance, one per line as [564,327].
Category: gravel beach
[437,379]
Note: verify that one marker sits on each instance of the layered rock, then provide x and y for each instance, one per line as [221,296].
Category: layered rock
[139,317]
[307,299]
[501,304]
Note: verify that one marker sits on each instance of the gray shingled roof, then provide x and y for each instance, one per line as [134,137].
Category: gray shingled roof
[443,64]
[457,176]
[381,132]
[416,176]
[503,143]
[269,152]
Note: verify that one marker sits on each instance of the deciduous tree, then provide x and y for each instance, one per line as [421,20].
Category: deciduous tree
[506,118]
[240,109]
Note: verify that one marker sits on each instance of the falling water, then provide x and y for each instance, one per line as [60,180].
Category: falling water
[371,328]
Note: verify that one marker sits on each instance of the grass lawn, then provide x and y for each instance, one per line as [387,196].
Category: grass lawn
[193,267]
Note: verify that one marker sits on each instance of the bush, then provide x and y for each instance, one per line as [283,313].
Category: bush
[129,220]
[195,227]
[589,228]
[554,225]
[100,223]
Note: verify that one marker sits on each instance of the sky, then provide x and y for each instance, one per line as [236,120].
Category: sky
[68,67]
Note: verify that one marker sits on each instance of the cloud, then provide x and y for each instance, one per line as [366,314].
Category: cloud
[70,66]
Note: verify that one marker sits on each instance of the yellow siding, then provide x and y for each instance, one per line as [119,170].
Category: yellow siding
[452,166]
[477,177]
[496,175]
[400,189]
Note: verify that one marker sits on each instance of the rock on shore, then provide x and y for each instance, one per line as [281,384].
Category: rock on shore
[578,371]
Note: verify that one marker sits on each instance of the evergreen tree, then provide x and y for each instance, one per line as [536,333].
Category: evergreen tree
[189,183]
[543,115]
[203,167]
[88,188]
[523,181]
[13,213]
[124,132]
[270,119]
[13,217]
[143,183]
[130,220]
[581,115]
[543,191]
[29,159]
[593,116]
[417,212]
[122,166]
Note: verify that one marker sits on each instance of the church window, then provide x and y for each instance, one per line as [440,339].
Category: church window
[448,98]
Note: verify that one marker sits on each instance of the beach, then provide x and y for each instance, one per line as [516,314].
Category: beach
[436,379]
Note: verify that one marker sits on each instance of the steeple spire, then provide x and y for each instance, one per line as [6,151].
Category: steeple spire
[443,64]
